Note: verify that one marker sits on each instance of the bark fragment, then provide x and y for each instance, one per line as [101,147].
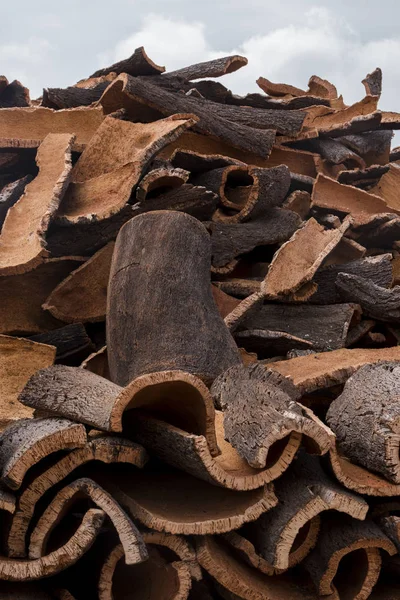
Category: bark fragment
[137,64]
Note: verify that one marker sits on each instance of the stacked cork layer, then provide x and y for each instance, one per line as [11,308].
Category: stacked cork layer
[199,339]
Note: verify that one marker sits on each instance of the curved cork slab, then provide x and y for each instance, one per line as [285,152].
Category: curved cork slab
[210,68]
[19,360]
[241,580]
[22,297]
[268,188]
[366,419]
[102,180]
[191,454]
[347,546]
[179,546]
[59,560]
[361,205]
[22,238]
[27,127]
[373,83]
[174,396]
[261,413]
[97,363]
[157,579]
[107,450]
[134,548]
[247,552]
[26,442]
[326,369]
[139,93]
[195,337]
[297,261]
[138,64]
[155,499]
[82,296]
[159,181]
[287,533]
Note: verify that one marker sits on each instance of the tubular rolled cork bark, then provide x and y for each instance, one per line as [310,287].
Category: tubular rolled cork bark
[151,250]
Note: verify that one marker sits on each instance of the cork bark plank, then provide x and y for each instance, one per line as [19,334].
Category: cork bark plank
[287,533]
[202,345]
[197,162]
[156,579]
[14,94]
[154,498]
[132,542]
[27,127]
[261,412]
[22,296]
[26,442]
[179,545]
[373,83]
[230,240]
[210,68]
[22,238]
[361,116]
[128,90]
[361,205]
[361,177]
[71,392]
[366,424]
[299,202]
[69,341]
[266,343]
[160,180]
[136,64]
[296,262]
[387,186]
[73,96]
[10,194]
[377,269]
[195,200]
[102,179]
[190,453]
[247,552]
[239,580]
[325,327]
[82,296]
[60,559]
[357,544]
[19,359]
[373,146]
[105,450]
[376,301]
[326,369]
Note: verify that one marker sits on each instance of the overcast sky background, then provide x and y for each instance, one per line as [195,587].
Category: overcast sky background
[54,44]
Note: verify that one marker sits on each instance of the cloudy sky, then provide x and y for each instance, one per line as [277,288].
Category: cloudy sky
[54,44]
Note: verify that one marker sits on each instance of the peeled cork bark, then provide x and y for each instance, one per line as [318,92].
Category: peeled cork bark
[366,419]
[150,250]
[261,412]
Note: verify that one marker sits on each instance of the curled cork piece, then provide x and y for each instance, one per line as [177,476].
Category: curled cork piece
[158,577]
[175,396]
[261,413]
[287,533]
[106,450]
[155,499]
[366,419]
[28,441]
[133,546]
[138,64]
[347,546]
[191,453]
[60,559]
[195,337]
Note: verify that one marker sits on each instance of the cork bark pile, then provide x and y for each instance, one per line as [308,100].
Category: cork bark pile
[199,339]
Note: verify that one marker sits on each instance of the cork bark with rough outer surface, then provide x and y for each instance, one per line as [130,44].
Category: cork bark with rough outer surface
[22,238]
[132,92]
[60,559]
[19,359]
[27,127]
[210,68]
[347,546]
[106,450]
[366,419]
[132,542]
[137,64]
[326,369]
[112,163]
[150,250]
[287,533]
[159,578]
[160,180]
[155,499]
[174,396]
[82,296]
[191,454]
[26,442]
[297,261]
[377,302]
[261,412]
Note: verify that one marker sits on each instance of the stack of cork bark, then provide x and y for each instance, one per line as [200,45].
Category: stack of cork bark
[199,349]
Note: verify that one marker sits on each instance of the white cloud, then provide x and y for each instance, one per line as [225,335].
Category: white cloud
[20,61]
